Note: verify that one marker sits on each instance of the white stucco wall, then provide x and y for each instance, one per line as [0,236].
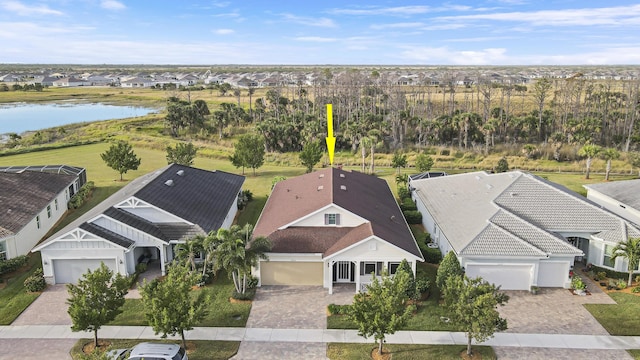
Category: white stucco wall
[22,242]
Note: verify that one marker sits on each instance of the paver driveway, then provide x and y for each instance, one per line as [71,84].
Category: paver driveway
[291,307]
[49,308]
[36,349]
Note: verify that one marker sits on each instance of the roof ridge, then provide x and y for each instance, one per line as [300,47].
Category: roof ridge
[508,233]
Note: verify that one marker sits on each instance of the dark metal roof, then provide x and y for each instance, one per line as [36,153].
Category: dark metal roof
[135,222]
[107,234]
[199,196]
[24,195]
[180,232]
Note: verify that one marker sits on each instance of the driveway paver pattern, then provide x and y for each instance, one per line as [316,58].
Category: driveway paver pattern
[50,308]
[36,349]
[526,353]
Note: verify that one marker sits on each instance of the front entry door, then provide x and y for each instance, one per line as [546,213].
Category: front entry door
[343,271]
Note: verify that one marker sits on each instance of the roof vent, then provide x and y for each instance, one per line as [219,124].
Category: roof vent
[342,176]
[478,177]
[169,182]
[321,176]
[514,194]
[320,187]
[180,173]
[489,186]
[343,187]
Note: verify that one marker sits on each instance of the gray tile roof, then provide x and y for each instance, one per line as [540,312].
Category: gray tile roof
[189,194]
[107,234]
[198,196]
[625,191]
[24,195]
[514,214]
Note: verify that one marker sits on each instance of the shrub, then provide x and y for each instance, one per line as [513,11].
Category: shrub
[577,283]
[413,216]
[338,309]
[636,290]
[248,194]
[404,193]
[612,274]
[35,282]
[637,278]
[13,264]
[431,255]
[408,204]
[422,285]
[450,266]
[81,196]
[621,284]
[445,152]
[248,295]
[600,275]
[141,267]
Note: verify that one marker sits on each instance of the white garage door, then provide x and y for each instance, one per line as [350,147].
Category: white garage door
[67,271]
[510,277]
[290,273]
[553,273]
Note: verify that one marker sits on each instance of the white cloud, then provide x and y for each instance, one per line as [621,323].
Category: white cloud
[224,31]
[315,39]
[396,10]
[112,5]
[620,15]
[444,55]
[404,25]
[309,21]
[26,10]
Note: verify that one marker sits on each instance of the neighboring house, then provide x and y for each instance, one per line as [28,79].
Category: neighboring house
[517,230]
[143,221]
[32,201]
[620,197]
[137,82]
[333,226]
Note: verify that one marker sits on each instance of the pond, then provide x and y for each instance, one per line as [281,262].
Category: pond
[21,117]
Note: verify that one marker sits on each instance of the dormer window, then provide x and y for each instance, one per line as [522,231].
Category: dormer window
[332,219]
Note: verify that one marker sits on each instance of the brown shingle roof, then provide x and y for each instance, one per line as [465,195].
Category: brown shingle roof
[24,195]
[366,196]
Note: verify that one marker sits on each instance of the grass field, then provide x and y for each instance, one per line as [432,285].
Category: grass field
[622,318]
[339,351]
[13,298]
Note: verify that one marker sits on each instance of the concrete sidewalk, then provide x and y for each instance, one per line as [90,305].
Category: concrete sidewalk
[556,341]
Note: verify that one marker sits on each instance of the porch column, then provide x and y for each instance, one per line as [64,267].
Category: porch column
[357,276]
[162,260]
[330,265]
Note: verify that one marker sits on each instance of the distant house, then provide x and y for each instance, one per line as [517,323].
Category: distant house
[518,230]
[137,82]
[32,201]
[143,222]
[70,82]
[333,226]
[619,197]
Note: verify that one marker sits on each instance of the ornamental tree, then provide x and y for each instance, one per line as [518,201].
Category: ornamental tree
[383,308]
[96,300]
[449,267]
[121,158]
[168,304]
[472,304]
[182,154]
[310,155]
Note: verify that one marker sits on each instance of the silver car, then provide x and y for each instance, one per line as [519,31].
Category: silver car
[150,351]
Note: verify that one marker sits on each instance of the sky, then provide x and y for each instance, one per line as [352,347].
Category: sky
[346,32]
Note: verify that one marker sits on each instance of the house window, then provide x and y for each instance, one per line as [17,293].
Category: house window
[48,211]
[369,268]
[608,251]
[393,267]
[56,204]
[38,221]
[332,219]
[3,250]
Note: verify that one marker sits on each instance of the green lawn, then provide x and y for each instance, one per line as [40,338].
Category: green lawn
[251,213]
[14,299]
[634,353]
[204,350]
[221,311]
[427,317]
[622,318]
[339,351]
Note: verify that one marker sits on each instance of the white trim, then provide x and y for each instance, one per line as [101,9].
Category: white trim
[135,203]
[373,237]
[320,210]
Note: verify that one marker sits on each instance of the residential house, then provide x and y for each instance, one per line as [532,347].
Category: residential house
[619,197]
[333,226]
[143,222]
[137,82]
[32,201]
[518,230]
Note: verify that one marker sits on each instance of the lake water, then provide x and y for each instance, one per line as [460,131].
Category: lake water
[21,117]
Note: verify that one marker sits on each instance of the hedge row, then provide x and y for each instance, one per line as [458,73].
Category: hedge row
[408,204]
[413,216]
[7,266]
[79,198]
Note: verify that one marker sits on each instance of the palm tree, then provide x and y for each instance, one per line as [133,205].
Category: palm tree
[609,154]
[190,250]
[629,250]
[237,253]
[590,151]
